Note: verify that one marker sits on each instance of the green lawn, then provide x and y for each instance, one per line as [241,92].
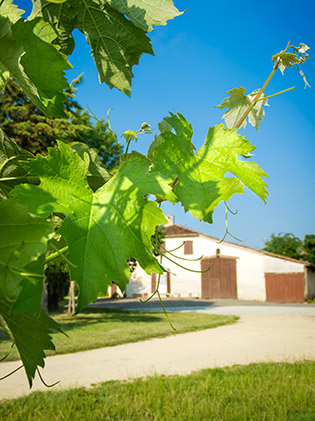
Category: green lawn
[96,328]
[254,392]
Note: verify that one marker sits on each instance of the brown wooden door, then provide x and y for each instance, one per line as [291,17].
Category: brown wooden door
[168,282]
[220,280]
[285,287]
[113,288]
[153,282]
[154,278]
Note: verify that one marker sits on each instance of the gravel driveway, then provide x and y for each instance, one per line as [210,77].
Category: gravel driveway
[264,333]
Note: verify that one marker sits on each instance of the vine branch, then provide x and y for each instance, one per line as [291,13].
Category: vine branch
[261,90]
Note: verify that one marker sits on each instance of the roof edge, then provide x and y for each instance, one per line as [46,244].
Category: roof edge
[193,233]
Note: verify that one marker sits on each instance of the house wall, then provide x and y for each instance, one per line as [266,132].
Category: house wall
[139,283]
[249,271]
[183,282]
[251,267]
[277,265]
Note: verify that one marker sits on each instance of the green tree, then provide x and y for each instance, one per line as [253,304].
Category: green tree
[309,248]
[23,121]
[57,280]
[285,245]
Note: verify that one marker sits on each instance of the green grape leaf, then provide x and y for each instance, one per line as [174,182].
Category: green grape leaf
[11,172]
[201,181]
[9,14]
[22,44]
[286,59]
[31,335]
[103,228]
[23,243]
[97,175]
[117,42]
[146,14]
[64,42]
[12,13]
[238,103]
[30,296]
[129,135]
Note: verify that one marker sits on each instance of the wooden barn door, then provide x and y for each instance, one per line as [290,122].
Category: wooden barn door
[285,287]
[165,283]
[153,282]
[220,280]
[113,288]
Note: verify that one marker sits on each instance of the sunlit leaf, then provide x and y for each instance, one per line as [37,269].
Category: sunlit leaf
[238,103]
[31,335]
[103,228]
[11,172]
[97,174]
[295,57]
[27,55]
[23,243]
[146,13]
[116,31]
[201,177]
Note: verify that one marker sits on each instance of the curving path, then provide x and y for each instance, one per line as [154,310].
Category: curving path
[269,333]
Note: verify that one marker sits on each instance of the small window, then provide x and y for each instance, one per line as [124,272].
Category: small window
[188,247]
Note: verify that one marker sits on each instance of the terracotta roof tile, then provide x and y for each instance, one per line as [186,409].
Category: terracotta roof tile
[178,230]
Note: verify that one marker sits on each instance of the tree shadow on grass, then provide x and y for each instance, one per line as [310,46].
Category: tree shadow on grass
[98,316]
[92,316]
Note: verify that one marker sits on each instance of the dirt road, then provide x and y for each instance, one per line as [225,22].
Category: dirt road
[255,338]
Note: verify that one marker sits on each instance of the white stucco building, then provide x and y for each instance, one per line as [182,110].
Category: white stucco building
[229,271]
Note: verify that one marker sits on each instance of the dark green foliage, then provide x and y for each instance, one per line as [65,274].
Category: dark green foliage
[24,122]
[57,280]
[25,43]
[285,245]
[11,172]
[22,258]
[292,246]
[309,248]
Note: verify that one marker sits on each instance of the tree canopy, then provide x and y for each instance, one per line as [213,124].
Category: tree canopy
[290,245]
[309,248]
[24,122]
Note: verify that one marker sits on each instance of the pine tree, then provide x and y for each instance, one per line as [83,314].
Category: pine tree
[26,124]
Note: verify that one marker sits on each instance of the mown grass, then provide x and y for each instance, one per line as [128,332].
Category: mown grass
[267,391]
[96,328]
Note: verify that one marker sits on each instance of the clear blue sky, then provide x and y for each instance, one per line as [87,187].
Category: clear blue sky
[212,48]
